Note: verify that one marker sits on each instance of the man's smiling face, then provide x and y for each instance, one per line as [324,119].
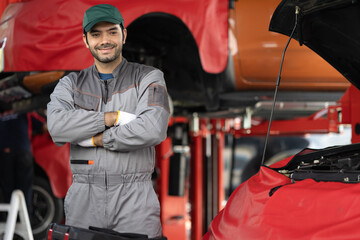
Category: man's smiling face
[105,41]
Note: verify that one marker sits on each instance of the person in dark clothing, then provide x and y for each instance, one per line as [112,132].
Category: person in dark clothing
[16,171]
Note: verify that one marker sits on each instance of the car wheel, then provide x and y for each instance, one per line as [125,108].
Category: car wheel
[46,208]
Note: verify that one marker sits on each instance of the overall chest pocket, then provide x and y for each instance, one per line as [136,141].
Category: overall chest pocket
[86,101]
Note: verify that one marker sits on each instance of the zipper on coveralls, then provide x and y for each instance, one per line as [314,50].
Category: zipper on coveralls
[106,200]
[106,181]
[106,91]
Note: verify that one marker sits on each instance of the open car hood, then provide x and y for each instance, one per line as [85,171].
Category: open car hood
[328,27]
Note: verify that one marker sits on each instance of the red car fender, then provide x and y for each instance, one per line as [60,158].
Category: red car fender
[54,161]
[269,206]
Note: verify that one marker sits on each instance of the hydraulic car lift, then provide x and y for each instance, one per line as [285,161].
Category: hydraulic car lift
[190,201]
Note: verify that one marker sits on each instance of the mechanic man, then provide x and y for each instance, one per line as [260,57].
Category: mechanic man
[113,114]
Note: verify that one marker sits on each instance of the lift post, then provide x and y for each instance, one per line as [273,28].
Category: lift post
[217,150]
[173,203]
[350,114]
[197,134]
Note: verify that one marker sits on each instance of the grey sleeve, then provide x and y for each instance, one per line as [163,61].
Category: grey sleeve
[65,122]
[150,126]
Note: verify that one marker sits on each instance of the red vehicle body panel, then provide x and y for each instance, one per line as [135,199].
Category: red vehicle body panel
[303,210]
[47,35]
[55,161]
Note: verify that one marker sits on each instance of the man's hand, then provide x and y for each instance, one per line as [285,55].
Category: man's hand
[110,118]
[95,141]
[98,140]
[118,118]
[124,118]
[87,142]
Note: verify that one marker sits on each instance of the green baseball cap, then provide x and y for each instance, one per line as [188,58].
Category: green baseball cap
[101,13]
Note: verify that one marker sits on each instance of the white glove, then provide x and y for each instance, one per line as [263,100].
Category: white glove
[124,118]
[87,142]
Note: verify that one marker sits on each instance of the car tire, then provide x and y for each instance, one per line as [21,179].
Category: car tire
[46,208]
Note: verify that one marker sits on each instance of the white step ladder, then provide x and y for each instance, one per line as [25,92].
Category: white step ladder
[16,207]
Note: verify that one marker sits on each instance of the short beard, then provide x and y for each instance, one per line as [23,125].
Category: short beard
[106,59]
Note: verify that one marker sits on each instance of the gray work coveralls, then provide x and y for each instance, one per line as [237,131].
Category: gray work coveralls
[116,191]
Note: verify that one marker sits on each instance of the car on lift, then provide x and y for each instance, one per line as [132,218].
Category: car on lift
[216,55]
[315,193]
